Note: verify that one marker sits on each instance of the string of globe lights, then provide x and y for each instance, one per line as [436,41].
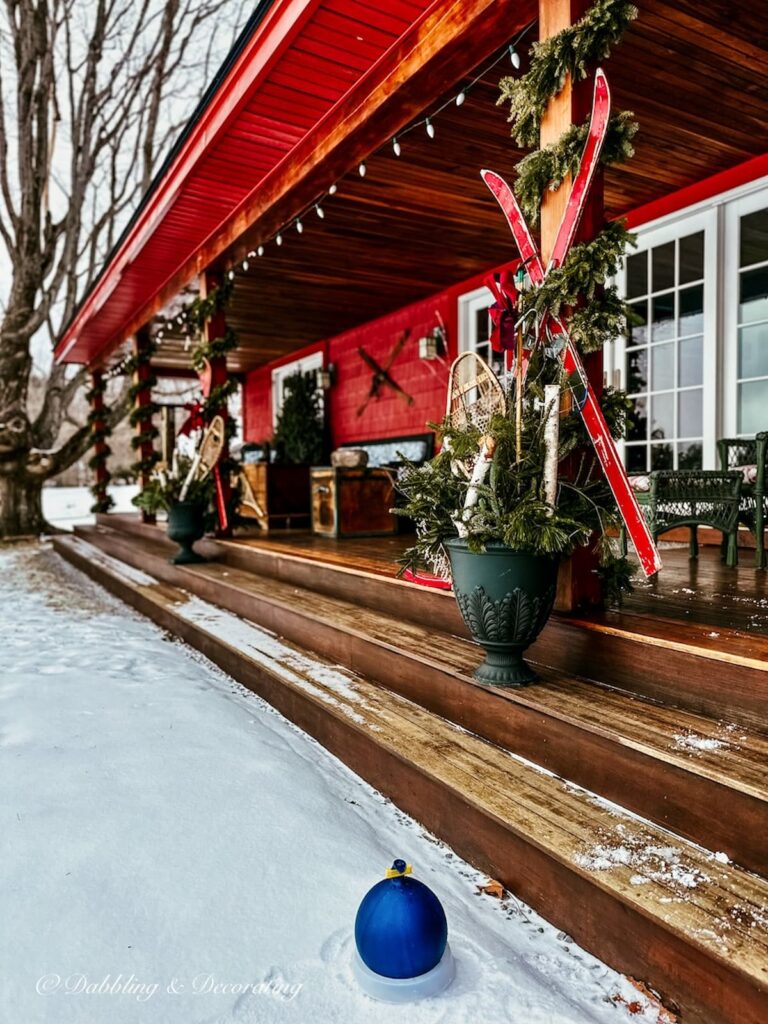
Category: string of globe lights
[510,53]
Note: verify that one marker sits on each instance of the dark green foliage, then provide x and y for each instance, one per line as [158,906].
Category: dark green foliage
[546,168]
[584,271]
[575,51]
[299,431]
[602,320]
[512,507]
[163,491]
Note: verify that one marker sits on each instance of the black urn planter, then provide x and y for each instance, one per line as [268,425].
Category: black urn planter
[504,597]
[185,526]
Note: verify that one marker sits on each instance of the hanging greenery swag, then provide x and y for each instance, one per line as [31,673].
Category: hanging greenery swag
[141,415]
[99,434]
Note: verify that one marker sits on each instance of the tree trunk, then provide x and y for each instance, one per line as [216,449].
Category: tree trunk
[21,509]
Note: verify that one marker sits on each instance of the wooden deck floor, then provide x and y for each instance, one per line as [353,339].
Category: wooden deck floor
[703,592]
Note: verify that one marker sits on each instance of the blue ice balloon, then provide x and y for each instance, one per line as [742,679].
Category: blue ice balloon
[400,928]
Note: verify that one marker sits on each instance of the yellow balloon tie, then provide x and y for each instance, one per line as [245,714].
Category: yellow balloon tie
[395,873]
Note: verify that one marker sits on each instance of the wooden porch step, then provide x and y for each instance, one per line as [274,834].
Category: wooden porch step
[656,907]
[700,777]
[718,672]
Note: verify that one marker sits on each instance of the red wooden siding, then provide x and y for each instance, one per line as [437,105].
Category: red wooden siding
[386,416]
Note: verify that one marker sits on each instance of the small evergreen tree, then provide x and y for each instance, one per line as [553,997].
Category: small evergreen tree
[299,431]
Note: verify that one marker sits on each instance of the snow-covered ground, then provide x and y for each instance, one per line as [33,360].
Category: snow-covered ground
[173,851]
[66,507]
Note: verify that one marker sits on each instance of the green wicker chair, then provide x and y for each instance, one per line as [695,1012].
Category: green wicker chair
[741,453]
[693,498]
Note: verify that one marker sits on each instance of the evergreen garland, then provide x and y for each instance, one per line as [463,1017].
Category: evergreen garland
[582,274]
[141,415]
[574,51]
[99,434]
[545,169]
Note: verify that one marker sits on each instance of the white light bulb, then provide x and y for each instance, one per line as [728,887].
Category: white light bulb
[231,275]
[299,226]
[430,129]
[514,56]
[260,251]
[362,169]
[251,254]
[460,98]
[279,239]
[319,211]
[246,264]
[333,189]
[396,148]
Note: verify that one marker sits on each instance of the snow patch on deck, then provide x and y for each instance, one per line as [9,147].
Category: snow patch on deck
[651,862]
[127,573]
[329,683]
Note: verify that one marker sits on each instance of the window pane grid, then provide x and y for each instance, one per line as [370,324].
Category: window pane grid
[664,355]
[752,366]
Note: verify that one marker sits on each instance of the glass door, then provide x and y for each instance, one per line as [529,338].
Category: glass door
[668,361]
[475,328]
[746,319]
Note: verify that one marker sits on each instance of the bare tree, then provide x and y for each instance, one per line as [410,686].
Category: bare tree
[92,92]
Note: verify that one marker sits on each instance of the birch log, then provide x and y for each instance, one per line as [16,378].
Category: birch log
[551,442]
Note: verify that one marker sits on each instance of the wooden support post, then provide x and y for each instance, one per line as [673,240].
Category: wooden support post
[214,328]
[101,449]
[578,584]
[142,379]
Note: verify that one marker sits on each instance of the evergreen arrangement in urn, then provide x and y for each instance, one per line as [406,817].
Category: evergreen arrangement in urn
[512,507]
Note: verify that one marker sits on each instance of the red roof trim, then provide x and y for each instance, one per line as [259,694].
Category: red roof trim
[281,24]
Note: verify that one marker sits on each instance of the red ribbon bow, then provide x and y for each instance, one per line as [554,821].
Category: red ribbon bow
[502,312]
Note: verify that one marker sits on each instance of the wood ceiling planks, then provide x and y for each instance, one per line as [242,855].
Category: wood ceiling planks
[696,79]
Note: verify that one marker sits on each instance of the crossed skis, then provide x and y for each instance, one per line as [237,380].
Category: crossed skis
[591,413]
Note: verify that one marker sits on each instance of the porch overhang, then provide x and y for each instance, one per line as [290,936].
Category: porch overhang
[312,90]
[297,110]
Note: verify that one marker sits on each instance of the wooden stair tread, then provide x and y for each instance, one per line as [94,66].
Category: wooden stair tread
[716,906]
[671,734]
[718,642]
[353,557]
[640,722]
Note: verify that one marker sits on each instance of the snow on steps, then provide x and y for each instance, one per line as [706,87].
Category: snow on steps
[657,907]
[649,758]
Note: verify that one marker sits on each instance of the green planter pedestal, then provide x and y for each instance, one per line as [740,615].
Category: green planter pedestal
[504,597]
[185,526]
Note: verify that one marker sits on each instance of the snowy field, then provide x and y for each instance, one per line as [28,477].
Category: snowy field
[172,851]
[66,507]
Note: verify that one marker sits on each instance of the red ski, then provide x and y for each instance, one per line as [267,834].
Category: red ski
[598,126]
[591,413]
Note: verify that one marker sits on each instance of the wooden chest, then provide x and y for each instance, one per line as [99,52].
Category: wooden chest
[352,502]
[275,496]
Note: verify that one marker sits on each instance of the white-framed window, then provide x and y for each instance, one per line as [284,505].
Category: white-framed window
[281,373]
[745,267]
[475,327]
[668,361]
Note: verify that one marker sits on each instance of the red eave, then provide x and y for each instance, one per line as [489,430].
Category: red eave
[299,63]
